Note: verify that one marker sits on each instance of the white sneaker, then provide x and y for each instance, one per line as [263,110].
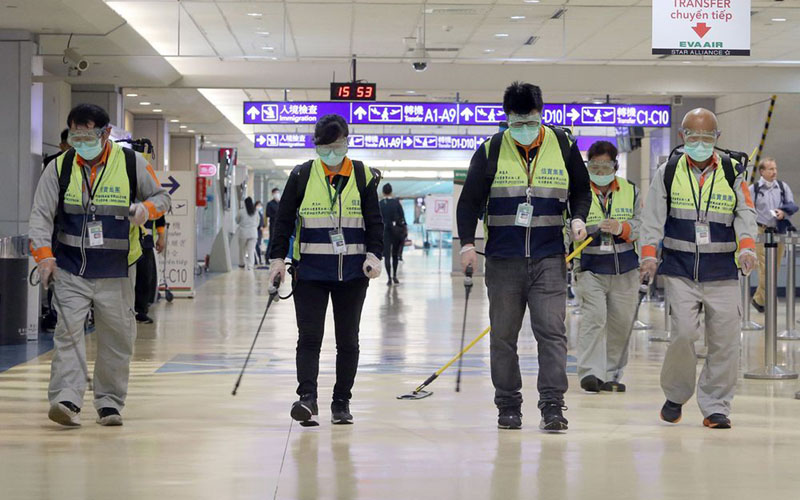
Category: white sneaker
[61,414]
[109,417]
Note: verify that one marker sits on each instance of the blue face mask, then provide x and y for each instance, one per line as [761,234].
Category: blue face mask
[602,180]
[699,151]
[525,134]
[332,159]
[89,151]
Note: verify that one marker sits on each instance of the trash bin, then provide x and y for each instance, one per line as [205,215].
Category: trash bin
[13,290]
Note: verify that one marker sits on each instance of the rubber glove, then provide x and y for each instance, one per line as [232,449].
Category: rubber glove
[578,230]
[138,214]
[747,261]
[47,271]
[611,226]
[469,257]
[372,266]
[648,269]
[161,243]
[277,267]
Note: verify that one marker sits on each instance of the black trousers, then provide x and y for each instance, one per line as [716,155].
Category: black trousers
[393,248]
[258,254]
[146,277]
[311,305]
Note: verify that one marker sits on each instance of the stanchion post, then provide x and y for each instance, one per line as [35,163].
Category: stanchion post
[790,333]
[770,370]
[747,324]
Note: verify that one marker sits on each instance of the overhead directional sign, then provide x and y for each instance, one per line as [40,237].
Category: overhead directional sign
[701,27]
[427,113]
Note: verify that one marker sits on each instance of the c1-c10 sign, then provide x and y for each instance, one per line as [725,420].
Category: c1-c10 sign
[701,27]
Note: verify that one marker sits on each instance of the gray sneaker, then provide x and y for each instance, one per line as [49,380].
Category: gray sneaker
[66,414]
[109,417]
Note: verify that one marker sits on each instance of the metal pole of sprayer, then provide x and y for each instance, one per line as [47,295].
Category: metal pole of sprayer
[273,296]
[639,324]
[643,289]
[770,370]
[467,289]
[790,333]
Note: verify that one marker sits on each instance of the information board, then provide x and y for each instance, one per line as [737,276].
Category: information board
[701,27]
[439,212]
[182,236]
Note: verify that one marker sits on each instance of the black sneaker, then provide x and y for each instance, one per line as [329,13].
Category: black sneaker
[340,412]
[671,412]
[758,306]
[143,318]
[396,281]
[305,410]
[590,383]
[552,417]
[613,387]
[109,417]
[389,281]
[65,413]
[510,417]
[717,421]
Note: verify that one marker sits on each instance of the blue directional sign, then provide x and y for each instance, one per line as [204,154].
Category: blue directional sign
[376,141]
[428,113]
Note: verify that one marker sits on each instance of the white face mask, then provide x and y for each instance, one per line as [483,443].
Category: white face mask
[769,184]
[276,197]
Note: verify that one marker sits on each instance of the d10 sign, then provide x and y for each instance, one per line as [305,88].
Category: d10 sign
[376,141]
[701,27]
[427,113]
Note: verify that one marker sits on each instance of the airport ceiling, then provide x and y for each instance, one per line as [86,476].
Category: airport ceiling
[197,60]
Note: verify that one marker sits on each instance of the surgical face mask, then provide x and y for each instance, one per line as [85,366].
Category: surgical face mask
[333,154]
[769,184]
[602,180]
[524,129]
[699,151]
[89,151]
[276,197]
[332,159]
[88,143]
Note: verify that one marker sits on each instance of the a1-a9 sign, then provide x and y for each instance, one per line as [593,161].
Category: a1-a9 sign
[353,91]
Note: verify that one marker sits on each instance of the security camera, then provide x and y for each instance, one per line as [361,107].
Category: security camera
[75,60]
[419,59]
[419,65]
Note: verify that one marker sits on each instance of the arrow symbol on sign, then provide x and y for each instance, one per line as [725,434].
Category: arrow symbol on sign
[701,29]
[408,141]
[253,112]
[260,139]
[173,185]
[573,114]
[360,112]
[467,114]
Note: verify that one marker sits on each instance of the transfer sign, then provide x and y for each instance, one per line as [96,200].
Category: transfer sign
[701,27]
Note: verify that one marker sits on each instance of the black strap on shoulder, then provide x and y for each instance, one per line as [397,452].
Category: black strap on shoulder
[494,155]
[130,168]
[563,142]
[756,190]
[669,175]
[727,167]
[303,174]
[783,192]
[64,176]
[361,177]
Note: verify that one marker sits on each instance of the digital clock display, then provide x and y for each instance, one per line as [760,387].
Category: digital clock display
[353,91]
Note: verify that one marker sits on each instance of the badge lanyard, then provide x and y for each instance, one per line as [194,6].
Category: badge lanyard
[697,202]
[334,195]
[530,172]
[606,240]
[92,192]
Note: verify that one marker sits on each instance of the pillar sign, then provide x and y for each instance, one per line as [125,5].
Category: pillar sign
[701,27]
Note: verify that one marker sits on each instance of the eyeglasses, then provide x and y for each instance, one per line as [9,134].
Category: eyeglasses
[695,136]
[81,136]
[339,148]
[517,121]
[601,167]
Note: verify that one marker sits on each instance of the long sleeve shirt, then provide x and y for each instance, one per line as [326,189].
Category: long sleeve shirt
[290,204]
[45,202]
[769,198]
[477,186]
[655,212]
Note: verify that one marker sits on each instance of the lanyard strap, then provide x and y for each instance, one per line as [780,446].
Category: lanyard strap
[700,194]
[89,189]
[530,172]
[334,195]
[606,206]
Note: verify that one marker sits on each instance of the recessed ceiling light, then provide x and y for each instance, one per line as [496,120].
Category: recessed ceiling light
[183,126]
[288,90]
[686,62]
[190,131]
[273,58]
[488,51]
[411,91]
[131,95]
[262,33]
[778,19]
[517,18]
[157,110]
[268,48]
[254,14]
[144,103]
[174,121]
[531,1]
[501,35]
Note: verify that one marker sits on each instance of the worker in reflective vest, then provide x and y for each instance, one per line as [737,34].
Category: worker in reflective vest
[94,196]
[607,276]
[524,179]
[331,204]
[699,207]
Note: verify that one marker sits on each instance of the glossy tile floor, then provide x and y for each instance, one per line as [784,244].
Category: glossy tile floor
[186,437]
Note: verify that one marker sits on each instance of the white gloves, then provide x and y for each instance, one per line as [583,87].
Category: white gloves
[469,257]
[47,271]
[277,267]
[611,226]
[372,266]
[138,214]
[747,261]
[578,230]
[648,269]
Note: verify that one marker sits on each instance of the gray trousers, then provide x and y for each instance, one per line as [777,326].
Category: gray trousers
[608,304]
[513,286]
[721,302]
[115,332]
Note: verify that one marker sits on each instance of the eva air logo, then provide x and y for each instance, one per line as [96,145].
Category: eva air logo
[689,44]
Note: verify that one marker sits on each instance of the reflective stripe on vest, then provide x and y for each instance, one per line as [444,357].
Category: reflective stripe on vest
[312,246]
[623,257]
[121,246]
[682,256]
[549,191]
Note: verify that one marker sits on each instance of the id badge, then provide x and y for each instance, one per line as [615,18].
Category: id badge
[524,215]
[702,233]
[337,239]
[95,229]
[606,243]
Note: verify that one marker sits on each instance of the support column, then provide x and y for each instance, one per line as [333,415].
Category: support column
[156,129]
